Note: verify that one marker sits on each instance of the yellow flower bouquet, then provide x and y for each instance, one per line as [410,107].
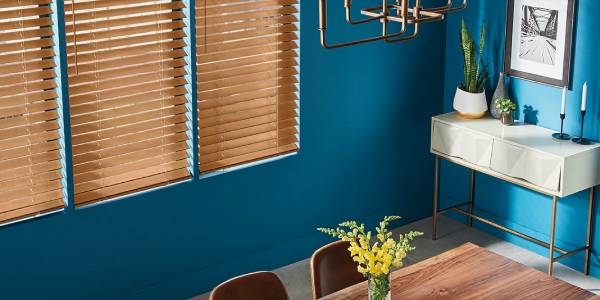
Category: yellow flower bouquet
[375,259]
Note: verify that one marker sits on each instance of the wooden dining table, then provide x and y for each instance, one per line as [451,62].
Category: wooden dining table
[470,272]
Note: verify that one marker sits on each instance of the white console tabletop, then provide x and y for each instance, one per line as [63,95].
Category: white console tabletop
[523,154]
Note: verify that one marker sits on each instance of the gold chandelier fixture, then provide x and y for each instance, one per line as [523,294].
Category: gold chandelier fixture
[398,12]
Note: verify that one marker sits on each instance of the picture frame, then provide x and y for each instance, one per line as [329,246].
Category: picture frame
[539,38]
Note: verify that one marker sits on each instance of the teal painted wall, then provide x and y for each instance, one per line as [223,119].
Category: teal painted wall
[509,205]
[365,114]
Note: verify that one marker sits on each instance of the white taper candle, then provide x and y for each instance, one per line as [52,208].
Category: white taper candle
[564,101]
[584,97]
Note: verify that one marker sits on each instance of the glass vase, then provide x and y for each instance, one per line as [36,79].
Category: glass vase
[379,287]
[500,93]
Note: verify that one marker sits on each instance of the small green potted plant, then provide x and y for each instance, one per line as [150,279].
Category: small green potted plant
[506,108]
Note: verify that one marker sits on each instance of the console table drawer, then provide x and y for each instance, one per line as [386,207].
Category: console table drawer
[535,167]
[470,146]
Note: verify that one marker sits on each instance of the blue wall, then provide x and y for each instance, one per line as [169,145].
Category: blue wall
[509,205]
[365,114]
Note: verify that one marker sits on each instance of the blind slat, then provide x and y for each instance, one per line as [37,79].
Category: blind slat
[123,159]
[31,180]
[127,91]
[247,114]
[247,149]
[149,161]
[127,187]
[120,53]
[122,112]
[224,145]
[127,100]
[32,210]
[130,138]
[248,157]
[136,174]
[41,192]
[131,147]
[283,93]
[245,123]
[30,171]
[247,131]
[217,20]
[246,70]
[128,129]
[29,150]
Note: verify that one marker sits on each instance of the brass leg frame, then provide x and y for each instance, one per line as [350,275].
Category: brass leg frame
[552,231]
[436,195]
[471,197]
[553,249]
[588,244]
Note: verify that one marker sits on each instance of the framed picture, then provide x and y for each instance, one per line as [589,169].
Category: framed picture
[539,35]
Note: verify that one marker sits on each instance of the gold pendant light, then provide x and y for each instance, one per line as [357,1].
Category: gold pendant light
[398,12]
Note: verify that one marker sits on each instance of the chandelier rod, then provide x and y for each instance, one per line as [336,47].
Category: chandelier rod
[348,7]
[382,17]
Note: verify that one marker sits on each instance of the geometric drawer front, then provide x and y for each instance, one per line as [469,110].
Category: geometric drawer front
[535,167]
[465,144]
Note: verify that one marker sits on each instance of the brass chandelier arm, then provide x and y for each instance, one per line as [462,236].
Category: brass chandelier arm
[448,7]
[419,15]
[383,17]
[348,7]
[404,38]
[400,13]
[416,13]
[323,30]
[340,45]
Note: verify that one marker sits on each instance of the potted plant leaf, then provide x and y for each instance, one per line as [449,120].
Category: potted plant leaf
[506,108]
[469,100]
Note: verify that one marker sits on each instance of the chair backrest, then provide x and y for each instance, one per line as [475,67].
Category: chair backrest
[253,286]
[332,269]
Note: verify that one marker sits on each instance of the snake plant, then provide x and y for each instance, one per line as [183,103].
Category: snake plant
[475,74]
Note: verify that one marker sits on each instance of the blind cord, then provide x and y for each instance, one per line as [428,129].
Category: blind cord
[75,35]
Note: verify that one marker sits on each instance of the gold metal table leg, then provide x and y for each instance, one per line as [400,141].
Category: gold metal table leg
[588,245]
[471,197]
[552,231]
[436,195]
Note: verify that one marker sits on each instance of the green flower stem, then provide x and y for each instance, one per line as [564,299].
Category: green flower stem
[379,287]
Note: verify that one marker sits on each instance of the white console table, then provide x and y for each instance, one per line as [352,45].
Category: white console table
[523,154]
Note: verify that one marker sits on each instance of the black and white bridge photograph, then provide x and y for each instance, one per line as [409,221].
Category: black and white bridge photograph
[539,28]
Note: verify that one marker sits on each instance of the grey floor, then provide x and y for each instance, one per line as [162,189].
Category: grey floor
[296,277]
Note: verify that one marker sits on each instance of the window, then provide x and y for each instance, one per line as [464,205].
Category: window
[30,157]
[127,90]
[247,80]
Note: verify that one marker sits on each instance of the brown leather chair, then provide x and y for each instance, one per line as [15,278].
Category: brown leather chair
[253,286]
[332,269]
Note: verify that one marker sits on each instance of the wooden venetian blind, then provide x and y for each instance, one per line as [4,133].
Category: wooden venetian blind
[30,166]
[127,95]
[247,84]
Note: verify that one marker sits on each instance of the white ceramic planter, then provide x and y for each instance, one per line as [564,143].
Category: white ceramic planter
[469,105]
